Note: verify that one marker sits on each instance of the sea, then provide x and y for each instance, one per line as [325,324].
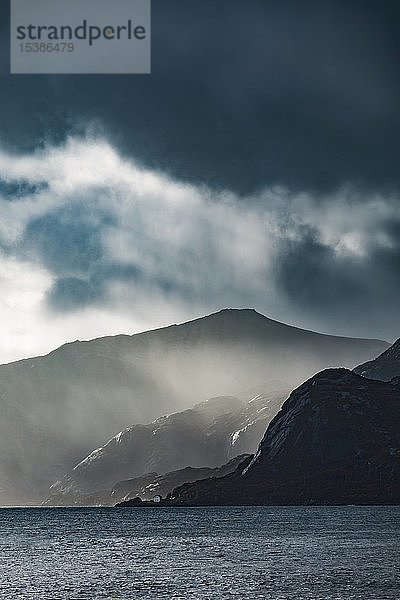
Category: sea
[218,553]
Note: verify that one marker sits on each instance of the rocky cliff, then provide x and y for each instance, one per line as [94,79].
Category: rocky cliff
[336,440]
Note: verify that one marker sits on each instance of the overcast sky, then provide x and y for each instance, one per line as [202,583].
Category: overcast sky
[258,166]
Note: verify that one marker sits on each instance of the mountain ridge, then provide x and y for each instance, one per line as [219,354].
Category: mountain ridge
[211,433]
[193,322]
[58,407]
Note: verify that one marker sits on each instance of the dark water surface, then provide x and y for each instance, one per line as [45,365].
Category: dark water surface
[280,553]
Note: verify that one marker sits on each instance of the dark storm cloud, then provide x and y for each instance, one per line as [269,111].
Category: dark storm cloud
[242,94]
[312,272]
[346,291]
[245,96]
[69,243]
[71,293]
[66,241]
[12,190]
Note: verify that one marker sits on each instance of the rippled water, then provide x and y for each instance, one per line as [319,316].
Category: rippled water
[279,553]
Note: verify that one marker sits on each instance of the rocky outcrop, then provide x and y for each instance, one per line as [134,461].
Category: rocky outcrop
[336,440]
[385,367]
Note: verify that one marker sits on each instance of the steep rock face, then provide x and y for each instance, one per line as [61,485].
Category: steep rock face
[335,440]
[150,485]
[210,434]
[385,367]
[56,408]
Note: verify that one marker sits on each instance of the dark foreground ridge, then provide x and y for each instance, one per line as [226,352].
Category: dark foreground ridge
[336,440]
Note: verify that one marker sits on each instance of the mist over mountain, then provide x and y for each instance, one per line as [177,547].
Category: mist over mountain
[57,408]
[208,435]
[336,440]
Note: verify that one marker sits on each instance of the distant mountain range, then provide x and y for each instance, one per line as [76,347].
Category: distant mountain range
[56,408]
[336,440]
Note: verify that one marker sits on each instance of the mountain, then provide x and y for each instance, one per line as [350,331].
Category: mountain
[57,407]
[211,433]
[385,367]
[336,440]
